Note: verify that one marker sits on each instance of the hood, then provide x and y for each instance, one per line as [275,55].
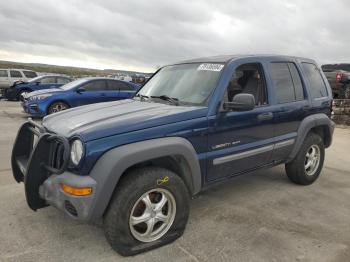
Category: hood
[111,118]
[45,91]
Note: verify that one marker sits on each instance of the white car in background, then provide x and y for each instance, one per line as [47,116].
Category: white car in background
[9,76]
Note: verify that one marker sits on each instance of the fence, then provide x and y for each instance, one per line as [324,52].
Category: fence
[341,111]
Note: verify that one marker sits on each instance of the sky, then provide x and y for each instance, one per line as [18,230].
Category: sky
[146,34]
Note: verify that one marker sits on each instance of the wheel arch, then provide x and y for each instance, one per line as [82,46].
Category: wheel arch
[319,124]
[56,101]
[174,153]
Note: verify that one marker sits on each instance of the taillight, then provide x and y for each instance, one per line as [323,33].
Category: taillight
[339,76]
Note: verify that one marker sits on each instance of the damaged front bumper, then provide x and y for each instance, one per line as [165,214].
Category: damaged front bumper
[40,160]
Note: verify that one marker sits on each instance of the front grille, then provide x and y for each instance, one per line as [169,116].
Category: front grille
[57,154]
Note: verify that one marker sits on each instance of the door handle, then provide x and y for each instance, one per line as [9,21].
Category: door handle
[265,116]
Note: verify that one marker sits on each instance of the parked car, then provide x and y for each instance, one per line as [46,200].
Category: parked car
[9,76]
[38,83]
[339,81]
[136,163]
[77,93]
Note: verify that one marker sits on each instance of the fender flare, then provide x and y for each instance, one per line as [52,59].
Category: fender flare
[111,166]
[306,125]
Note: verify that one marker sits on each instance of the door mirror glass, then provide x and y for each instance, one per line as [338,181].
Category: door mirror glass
[240,102]
[81,90]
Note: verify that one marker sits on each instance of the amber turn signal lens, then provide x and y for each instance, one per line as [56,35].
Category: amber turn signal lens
[76,191]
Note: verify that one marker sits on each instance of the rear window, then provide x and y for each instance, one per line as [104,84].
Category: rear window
[3,73]
[317,86]
[30,74]
[15,73]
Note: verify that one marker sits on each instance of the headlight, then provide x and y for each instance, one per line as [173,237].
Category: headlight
[76,152]
[40,97]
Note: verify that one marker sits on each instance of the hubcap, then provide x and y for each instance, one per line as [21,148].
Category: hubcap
[152,215]
[58,107]
[312,160]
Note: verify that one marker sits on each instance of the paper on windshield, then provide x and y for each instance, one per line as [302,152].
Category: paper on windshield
[210,67]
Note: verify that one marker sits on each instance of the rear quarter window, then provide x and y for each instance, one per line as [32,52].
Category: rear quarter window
[317,86]
[30,74]
[3,73]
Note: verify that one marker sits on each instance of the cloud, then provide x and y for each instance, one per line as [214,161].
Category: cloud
[144,34]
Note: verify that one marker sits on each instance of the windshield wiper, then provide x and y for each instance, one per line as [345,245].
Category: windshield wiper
[172,100]
[142,97]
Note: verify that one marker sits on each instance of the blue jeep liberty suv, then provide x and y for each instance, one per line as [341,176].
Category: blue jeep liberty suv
[136,163]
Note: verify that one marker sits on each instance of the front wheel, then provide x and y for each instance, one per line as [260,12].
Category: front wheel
[307,165]
[57,107]
[149,209]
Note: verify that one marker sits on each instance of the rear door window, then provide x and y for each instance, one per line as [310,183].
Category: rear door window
[48,80]
[317,86]
[15,73]
[287,82]
[283,83]
[62,80]
[298,85]
[118,85]
[3,73]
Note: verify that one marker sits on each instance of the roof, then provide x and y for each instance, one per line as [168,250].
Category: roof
[19,69]
[227,58]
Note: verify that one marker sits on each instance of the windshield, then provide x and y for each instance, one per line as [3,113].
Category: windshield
[187,83]
[73,84]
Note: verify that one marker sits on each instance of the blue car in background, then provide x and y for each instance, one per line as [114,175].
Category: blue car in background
[77,93]
[38,83]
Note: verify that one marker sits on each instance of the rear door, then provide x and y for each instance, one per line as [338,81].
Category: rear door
[126,90]
[291,105]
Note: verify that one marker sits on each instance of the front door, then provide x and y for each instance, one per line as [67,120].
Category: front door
[241,141]
[95,92]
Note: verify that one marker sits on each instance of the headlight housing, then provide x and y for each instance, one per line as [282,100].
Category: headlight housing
[76,152]
[40,97]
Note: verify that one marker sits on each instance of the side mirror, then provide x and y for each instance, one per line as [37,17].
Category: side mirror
[240,102]
[80,90]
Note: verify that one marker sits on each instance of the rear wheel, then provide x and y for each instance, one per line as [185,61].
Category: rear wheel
[57,107]
[149,209]
[307,165]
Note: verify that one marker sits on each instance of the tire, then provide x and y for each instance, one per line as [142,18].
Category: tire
[300,171]
[57,107]
[127,239]
[347,92]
